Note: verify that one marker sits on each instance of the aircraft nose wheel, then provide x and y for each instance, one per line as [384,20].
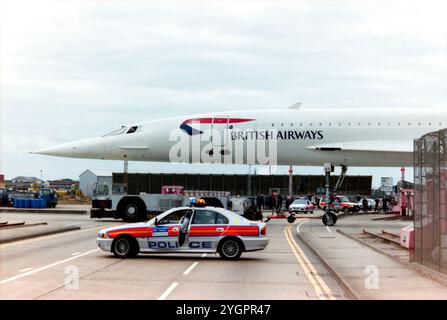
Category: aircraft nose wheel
[329,219]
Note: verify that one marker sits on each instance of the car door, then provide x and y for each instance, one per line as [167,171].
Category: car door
[164,235]
[207,226]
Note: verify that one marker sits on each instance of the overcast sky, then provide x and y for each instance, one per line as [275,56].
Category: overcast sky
[75,69]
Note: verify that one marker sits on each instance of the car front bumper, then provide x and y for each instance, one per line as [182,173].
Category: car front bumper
[105,244]
[299,210]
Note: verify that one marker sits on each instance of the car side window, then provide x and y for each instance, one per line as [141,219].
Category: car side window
[174,217]
[209,217]
[221,219]
[204,217]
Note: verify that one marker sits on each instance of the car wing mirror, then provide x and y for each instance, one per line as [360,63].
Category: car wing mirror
[156,221]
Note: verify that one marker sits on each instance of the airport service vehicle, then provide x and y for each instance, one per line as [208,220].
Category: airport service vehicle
[4,200]
[301,205]
[50,195]
[371,203]
[341,203]
[113,200]
[245,206]
[187,230]
[294,136]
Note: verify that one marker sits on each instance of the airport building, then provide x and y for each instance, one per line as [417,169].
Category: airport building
[89,178]
[241,183]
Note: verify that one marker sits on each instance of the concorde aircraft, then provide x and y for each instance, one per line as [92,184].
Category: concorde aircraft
[303,136]
[293,136]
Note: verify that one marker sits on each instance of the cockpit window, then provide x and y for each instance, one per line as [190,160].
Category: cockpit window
[132,129]
[116,132]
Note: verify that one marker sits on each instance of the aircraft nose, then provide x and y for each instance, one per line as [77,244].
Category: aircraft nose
[88,148]
[62,150]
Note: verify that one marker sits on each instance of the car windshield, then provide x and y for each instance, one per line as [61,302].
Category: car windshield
[344,199]
[300,201]
[101,190]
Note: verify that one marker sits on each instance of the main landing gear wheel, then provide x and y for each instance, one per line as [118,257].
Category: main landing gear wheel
[230,249]
[290,219]
[329,219]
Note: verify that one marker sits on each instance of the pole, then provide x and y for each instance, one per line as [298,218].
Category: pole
[126,171]
[290,181]
[249,181]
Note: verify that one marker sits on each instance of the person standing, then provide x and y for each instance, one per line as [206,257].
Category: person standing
[259,201]
[279,203]
[385,205]
[377,201]
[365,205]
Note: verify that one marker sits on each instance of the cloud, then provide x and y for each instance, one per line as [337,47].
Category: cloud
[73,69]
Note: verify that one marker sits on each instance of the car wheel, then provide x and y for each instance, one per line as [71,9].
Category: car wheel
[346,210]
[125,247]
[230,249]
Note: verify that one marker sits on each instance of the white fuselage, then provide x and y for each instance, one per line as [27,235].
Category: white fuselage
[352,137]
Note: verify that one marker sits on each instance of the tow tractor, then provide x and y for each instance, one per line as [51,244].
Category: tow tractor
[113,200]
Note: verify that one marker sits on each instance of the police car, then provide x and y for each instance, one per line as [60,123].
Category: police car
[195,229]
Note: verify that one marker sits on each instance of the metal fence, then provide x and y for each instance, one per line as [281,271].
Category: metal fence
[430,218]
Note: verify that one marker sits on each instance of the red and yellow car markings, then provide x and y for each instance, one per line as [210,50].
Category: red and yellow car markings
[212,231]
[198,231]
[173,231]
[135,232]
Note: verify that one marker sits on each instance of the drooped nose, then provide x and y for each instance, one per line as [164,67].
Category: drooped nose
[88,148]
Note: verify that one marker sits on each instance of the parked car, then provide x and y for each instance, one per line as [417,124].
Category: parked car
[187,230]
[301,205]
[371,203]
[341,203]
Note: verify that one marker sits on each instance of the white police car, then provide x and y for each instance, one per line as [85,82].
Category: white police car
[187,229]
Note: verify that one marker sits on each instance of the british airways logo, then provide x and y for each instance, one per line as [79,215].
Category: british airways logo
[187,124]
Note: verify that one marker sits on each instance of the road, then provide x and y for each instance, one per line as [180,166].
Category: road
[70,266]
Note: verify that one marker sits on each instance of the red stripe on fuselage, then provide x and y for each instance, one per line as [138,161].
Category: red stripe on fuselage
[217,120]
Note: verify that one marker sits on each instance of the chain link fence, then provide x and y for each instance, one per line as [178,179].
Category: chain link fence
[430,218]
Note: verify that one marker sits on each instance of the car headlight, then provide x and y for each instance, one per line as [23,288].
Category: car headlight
[103,235]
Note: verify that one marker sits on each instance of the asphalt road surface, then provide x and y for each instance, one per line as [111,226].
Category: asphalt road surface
[70,266]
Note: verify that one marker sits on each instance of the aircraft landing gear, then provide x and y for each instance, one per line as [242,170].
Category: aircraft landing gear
[330,218]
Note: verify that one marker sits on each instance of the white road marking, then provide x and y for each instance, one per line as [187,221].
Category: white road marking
[300,224]
[168,291]
[42,238]
[328,229]
[187,271]
[46,267]
[26,269]
[75,253]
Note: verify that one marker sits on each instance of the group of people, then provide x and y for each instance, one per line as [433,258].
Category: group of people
[272,202]
[276,202]
[381,205]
